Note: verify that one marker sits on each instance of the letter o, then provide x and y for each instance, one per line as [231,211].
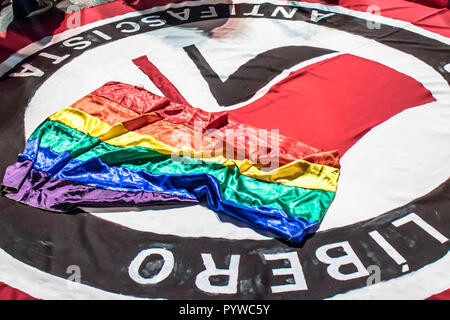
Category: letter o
[133,269]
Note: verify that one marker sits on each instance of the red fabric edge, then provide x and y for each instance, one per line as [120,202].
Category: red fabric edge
[10,293]
[445,295]
[163,84]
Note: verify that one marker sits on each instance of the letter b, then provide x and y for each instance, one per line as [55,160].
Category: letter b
[335,263]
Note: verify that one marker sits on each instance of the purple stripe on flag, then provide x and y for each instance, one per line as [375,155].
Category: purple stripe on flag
[37,189]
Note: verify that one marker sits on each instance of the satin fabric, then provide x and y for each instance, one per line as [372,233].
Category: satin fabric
[134,169]
[175,134]
[62,195]
[287,149]
[131,97]
[65,195]
[165,131]
[298,173]
[120,146]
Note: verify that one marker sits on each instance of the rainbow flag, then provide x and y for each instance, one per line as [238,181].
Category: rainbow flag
[122,146]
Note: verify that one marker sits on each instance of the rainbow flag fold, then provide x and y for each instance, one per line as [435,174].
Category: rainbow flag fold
[122,146]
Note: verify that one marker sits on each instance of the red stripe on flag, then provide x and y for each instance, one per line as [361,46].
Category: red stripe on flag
[163,84]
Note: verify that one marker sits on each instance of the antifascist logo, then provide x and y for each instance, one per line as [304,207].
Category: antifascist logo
[379,227]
